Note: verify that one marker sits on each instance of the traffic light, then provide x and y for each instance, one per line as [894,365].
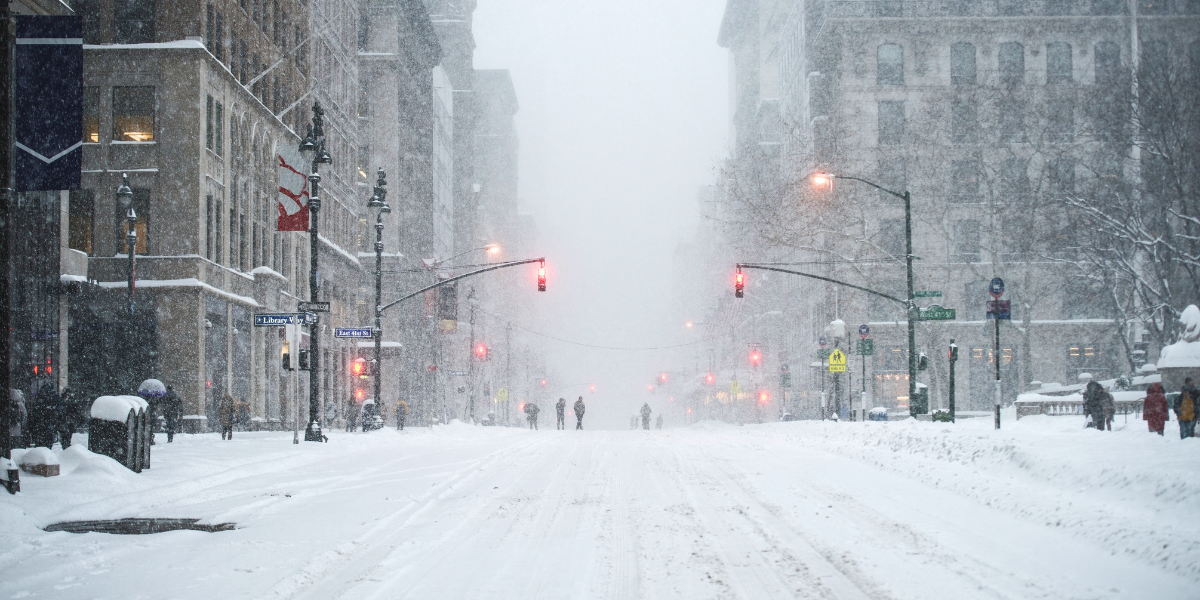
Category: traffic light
[592,389]
[739,284]
[922,362]
[481,351]
[953,352]
[710,379]
[763,397]
[359,368]
[755,357]
[662,378]
[543,383]
[542,276]
[359,394]
[286,356]
[302,360]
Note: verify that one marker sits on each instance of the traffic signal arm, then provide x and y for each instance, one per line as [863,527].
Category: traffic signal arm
[810,275]
[506,265]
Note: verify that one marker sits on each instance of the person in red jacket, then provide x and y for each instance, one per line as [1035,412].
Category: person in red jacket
[1154,409]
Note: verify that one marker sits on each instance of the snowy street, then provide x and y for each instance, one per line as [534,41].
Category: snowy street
[1040,509]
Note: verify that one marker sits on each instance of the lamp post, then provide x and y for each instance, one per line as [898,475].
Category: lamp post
[125,198]
[312,148]
[826,179]
[378,201]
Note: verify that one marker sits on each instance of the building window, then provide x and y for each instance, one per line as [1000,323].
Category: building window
[1108,63]
[889,8]
[133,114]
[893,175]
[1060,177]
[364,30]
[1154,7]
[91,114]
[1090,358]
[1014,180]
[208,237]
[217,231]
[966,240]
[1060,117]
[133,21]
[243,257]
[962,64]
[210,29]
[1154,63]
[1059,66]
[891,237]
[1059,7]
[963,8]
[964,175]
[81,213]
[141,205]
[890,67]
[1012,121]
[1012,8]
[1108,7]
[964,122]
[891,122]
[234,259]
[219,119]
[209,128]
[1012,63]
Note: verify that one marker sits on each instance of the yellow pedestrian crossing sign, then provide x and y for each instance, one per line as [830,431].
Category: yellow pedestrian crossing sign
[735,388]
[837,362]
[502,395]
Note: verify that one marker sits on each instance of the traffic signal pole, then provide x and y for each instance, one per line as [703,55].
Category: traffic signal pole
[7,185]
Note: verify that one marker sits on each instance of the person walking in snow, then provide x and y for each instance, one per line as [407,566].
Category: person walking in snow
[226,414]
[16,418]
[401,414]
[658,422]
[1185,409]
[646,416]
[561,409]
[44,416]
[578,408]
[172,413]
[531,412]
[1093,404]
[1110,409]
[1154,408]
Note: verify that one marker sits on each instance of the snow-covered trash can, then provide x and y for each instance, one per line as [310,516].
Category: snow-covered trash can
[878,413]
[39,461]
[120,428]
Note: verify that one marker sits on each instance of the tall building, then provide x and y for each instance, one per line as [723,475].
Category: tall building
[989,113]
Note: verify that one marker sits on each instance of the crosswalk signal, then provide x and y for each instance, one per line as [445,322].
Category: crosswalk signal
[286,357]
[359,368]
[739,284]
[542,276]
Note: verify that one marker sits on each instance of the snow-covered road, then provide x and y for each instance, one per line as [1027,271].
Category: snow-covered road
[788,510]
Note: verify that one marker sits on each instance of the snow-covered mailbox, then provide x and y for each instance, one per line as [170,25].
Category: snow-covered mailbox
[120,428]
[1182,359]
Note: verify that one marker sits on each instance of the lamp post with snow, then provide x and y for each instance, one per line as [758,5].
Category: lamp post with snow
[378,201]
[312,149]
[125,198]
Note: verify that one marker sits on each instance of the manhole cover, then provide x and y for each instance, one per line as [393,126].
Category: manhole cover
[138,526]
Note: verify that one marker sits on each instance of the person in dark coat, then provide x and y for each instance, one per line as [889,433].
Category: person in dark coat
[45,415]
[561,409]
[401,414]
[69,421]
[17,414]
[1186,406]
[351,416]
[1154,408]
[532,410]
[172,412]
[226,414]
[646,416]
[579,408]
[1093,404]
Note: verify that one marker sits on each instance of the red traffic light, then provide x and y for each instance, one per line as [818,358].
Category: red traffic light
[662,377]
[739,284]
[543,382]
[763,397]
[755,357]
[542,276]
[358,394]
[710,379]
[592,389]
[359,367]
[481,351]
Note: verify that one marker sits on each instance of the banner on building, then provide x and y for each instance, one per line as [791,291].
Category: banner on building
[293,190]
[48,116]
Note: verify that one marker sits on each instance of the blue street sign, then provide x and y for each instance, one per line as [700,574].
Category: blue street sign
[864,331]
[999,309]
[352,332]
[274,320]
[822,341]
[996,288]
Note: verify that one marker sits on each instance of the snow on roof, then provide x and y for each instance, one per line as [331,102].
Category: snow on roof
[116,408]
[180,283]
[265,270]
[175,45]
[338,249]
[383,344]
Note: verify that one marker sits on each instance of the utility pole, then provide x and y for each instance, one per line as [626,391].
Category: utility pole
[471,361]
[7,185]
[313,147]
[508,373]
[953,360]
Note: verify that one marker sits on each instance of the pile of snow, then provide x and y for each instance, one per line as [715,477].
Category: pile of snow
[78,461]
[1186,352]
[710,425]
[116,408]
[37,456]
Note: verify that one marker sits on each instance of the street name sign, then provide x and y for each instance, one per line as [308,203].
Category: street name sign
[274,319]
[312,306]
[823,353]
[837,361]
[936,313]
[352,332]
[310,318]
[999,309]
[927,294]
[866,348]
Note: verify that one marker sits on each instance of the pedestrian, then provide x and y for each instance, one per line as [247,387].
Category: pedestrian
[1154,408]
[579,408]
[646,416]
[172,413]
[561,409]
[226,414]
[16,418]
[1185,409]
[44,416]
[351,417]
[658,423]
[1110,409]
[69,421]
[401,414]
[1093,404]
[532,411]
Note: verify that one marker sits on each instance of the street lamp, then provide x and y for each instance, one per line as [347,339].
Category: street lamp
[378,200]
[125,198]
[821,180]
[312,149]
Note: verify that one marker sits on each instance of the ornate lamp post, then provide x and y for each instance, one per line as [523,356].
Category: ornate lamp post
[125,198]
[378,201]
[312,148]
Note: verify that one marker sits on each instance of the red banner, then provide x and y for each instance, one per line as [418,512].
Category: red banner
[293,190]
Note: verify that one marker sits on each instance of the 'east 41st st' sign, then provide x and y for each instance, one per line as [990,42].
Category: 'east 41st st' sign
[936,313]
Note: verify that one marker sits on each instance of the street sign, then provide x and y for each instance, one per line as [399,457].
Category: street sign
[274,319]
[310,318]
[936,313]
[785,380]
[864,331]
[1002,307]
[821,342]
[823,353]
[458,373]
[837,361]
[502,395]
[927,294]
[866,348]
[996,288]
[352,332]
[312,306]
[735,388]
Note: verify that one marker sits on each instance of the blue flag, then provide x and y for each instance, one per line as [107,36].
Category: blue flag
[48,120]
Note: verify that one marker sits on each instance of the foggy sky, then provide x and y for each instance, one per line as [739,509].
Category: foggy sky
[623,116]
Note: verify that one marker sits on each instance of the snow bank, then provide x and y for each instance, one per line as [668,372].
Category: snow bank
[1180,355]
[38,456]
[116,408]
[78,461]
[710,425]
